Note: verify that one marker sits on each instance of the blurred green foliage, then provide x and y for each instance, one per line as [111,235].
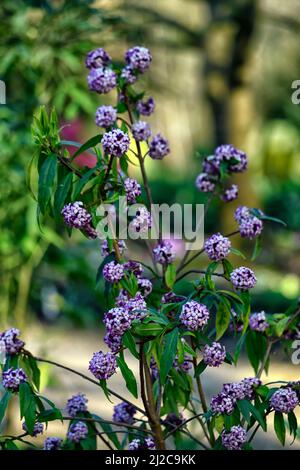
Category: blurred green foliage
[42,45]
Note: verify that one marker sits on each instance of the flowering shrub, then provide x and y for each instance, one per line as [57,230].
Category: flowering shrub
[173,338]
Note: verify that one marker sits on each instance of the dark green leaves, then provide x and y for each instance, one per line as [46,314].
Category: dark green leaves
[129,343]
[46,181]
[170,276]
[279,427]
[256,345]
[3,404]
[128,376]
[27,405]
[148,329]
[62,192]
[169,353]
[222,319]
[92,142]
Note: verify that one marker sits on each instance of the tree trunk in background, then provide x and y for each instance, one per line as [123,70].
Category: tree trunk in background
[228,90]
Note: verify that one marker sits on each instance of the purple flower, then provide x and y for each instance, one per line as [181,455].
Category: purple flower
[77,432]
[105,251]
[103,365]
[76,404]
[185,366]
[251,227]
[194,316]
[235,438]
[138,58]
[142,221]
[12,379]
[115,142]
[230,194]
[132,190]
[75,215]
[134,267]
[138,444]
[163,253]
[171,298]
[235,391]
[12,343]
[128,74]
[173,420]
[284,400]
[249,384]
[221,403]
[90,232]
[242,213]
[214,355]
[113,272]
[211,165]
[141,131]
[117,320]
[243,278]
[146,108]
[145,286]
[113,341]
[97,58]
[154,369]
[159,147]
[37,429]
[101,80]
[204,183]
[124,413]
[237,160]
[52,443]
[217,247]
[257,322]
[105,116]
[137,306]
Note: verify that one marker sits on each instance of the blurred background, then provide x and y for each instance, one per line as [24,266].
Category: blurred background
[222,73]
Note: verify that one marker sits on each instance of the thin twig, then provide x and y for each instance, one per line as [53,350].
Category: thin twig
[85,377]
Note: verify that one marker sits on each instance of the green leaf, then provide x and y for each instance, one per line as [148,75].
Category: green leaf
[128,376]
[92,142]
[169,353]
[170,276]
[293,425]
[10,445]
[245,409]
[77,187]
[61,193]
[279,427]
[222,320]
[109,430]
[258,416]
[3,404]
[256,345]
[258,214]
[150,329]
[257,248]
[27,406]
[47,176]
[200,368]
[129,343]
[49,415]
[237,252]
[103,385]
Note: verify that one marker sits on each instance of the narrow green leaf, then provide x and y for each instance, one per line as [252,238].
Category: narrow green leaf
[169,353]
[92,142]
[279,427]
[128,376]
[129,343]
[3,404]
[222,320]
[170,275]
[61,193]
[47,176]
